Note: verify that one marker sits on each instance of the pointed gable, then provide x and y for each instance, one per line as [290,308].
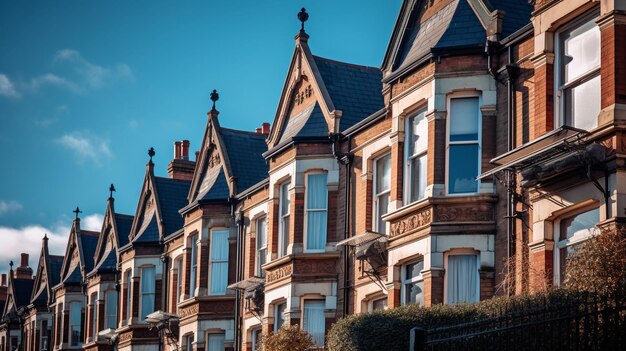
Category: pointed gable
[114,234]
[323,96]
[19,291]
[157,214]
[48,275]
[230,161]
[78,259]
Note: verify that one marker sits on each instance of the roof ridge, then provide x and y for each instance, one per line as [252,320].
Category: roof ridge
[172,179]
[241,131]
[89,232]
[124,215]
[371,68]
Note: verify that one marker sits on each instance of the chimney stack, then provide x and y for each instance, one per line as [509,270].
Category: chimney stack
[259,130]
[4,279]
[181,167]
[3,289]
[24,271]
[265,128]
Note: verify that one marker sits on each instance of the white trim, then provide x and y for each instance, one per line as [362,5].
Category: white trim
[211,262]
[284,186]
[405,281]
[407,175]
[460,95]
[376,195]
[307,210]
[258,271]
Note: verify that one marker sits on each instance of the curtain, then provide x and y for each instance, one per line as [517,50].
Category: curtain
[194,265]
[148,282]
[111,309]
[462,279]
[215,342]
[219,261]
[317,201]
[314,320]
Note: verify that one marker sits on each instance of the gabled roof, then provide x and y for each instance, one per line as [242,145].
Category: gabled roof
[157,213]
[229,162]
[342,93]
[48,275]
[113,235]
[78,259]
[460,24]
[18,295]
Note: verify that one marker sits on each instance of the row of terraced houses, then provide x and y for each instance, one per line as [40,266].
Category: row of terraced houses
[489,143]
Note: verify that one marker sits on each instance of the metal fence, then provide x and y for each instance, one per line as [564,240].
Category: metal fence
[583,323]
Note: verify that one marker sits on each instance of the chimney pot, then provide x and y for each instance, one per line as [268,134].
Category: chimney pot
[185,149]
[265,127]
[177,150]
[259,130]
[24,262]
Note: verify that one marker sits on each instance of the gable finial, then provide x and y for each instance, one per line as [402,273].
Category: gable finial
[151,153]
[11,265]
[303,16]
[111,190]
[77,211]
[214,97]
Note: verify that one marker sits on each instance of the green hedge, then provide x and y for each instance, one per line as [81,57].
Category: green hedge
[389,330]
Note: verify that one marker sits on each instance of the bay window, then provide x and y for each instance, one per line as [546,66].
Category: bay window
[279,316]
[314,321]
[75,323]
[194,265]
[415,161]
[178,263]
[463,145]
[127,283]
[578,74]
[219,261]
[413,284]
[283,221]
[44,336]
[261,245]
[256,338]
[148,291]
[110,306]
[382,191]
[94,319]
[463,281]
[573,231]
[215,342]
[316,211]
[379,304]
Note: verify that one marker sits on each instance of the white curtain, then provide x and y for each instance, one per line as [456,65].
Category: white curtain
[111,309]
[148,288]
[219,261]
[317,201]
[314,321]
[463,279]
[215,342]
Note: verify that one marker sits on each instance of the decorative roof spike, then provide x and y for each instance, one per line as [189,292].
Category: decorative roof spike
[11,265]
[303,16]
[151,153]
[77,211]
[111,190]
[214,97]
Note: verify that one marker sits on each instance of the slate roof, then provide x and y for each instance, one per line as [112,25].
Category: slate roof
[54,270]
[89,241]
[245,153]
[148,232]
[172,194]
[23,290]
[518,13]
[308,122]
[214,186]
[353,89]
[464,29]
[124,224]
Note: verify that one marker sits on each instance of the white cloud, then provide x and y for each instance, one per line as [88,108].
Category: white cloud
[52,80]
[7,88]
[9,206]
[27,239]
[133,123]
[59,112]
[86,146]
[94,76]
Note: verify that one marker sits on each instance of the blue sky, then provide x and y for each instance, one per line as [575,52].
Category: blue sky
[86,87]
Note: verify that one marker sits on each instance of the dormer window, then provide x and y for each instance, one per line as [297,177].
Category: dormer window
[316,211]
[578,74]
[283,220]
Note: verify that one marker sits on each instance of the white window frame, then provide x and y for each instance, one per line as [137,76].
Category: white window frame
[579,237]
[193,271]
[376,195]
[406,281]
[307,210]
[212,261]
[461,252]
[261,247]
[559,89]
[107,302]
[284,219]
[146,294]
[450,97]
[409,172]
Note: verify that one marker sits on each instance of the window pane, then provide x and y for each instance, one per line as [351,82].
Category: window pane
[418,177]
[579,223]
[382,206]
[581,51]
[261,244]
[464,119]
[379,304]
[279,317]
[128,292]
[317,191]
[194,264]
[414,270]
[417,134]
[415,293]
[463,169]
[148,282]
[314,320]
[75,317]
[284,198]
[383,174]
[111,309]
[215,342]
[219,261]
[462,279]
[582,104]
[94,320]
[316,230]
